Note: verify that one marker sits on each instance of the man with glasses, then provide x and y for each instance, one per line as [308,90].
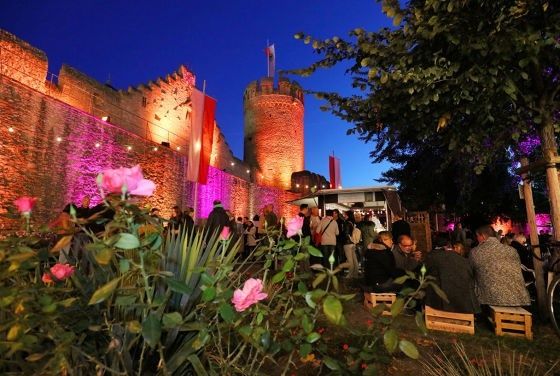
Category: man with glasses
[407,258]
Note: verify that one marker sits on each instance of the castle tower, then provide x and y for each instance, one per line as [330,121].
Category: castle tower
[274,144]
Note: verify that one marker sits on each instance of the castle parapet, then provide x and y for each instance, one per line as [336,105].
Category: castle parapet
[265,86]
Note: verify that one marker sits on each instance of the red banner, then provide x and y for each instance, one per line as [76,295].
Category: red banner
[202,136]
[334,171]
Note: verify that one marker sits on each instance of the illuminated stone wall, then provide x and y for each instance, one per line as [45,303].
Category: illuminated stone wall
[53,142]
[55,151]
[274,140]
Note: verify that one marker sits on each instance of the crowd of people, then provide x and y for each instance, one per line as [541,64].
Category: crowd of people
[489,273]
[491,270]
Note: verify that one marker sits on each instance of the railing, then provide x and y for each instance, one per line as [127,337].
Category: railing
[98,107]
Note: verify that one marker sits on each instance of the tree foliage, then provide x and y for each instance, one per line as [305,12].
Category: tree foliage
[465,77]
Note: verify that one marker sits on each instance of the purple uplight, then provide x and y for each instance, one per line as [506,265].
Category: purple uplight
[527,145]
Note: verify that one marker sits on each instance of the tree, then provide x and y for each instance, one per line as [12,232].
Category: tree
[472,77]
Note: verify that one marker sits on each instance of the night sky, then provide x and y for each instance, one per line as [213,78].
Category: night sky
[222,42]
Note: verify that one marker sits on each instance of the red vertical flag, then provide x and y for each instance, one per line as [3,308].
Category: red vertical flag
[202,136]
[270,60]
[334,171]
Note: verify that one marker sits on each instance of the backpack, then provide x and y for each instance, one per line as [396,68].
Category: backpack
[356,235]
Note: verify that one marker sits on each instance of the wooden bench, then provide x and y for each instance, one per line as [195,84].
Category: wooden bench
[512,321]
[449,321]
[372,299]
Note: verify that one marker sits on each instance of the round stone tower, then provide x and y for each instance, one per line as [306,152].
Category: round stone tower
[274,142]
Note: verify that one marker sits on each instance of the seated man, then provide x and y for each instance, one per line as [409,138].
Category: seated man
[497,271]
[455,276]
[406,257]
[379,264]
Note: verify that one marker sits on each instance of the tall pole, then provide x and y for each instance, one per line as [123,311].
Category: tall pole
[267,60]
[534,238]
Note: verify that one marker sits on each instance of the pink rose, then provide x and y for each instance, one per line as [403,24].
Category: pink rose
[112,181]
[224,235]
[251,293]
[25,204]
[294,226]
[60,272]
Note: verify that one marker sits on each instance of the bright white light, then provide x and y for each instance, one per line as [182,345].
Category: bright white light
[297,185]
[129,148]
[233,163]
[306,186]
[197,146]
[155,148]
[248,171]
[178,148]
[97,144]
[59,139]
[105,118]
[11,130]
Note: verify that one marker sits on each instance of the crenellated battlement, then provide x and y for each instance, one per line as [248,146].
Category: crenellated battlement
[265,86]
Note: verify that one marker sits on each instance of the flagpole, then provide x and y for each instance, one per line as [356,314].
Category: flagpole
[195,204]
[267,60]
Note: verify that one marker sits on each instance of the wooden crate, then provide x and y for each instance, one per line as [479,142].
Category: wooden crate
[372,299]
[449,321]
[512,321]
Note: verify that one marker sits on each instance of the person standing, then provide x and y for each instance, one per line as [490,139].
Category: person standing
[328,228]
[270,218]
[217,219]
[497,271]
[306,227]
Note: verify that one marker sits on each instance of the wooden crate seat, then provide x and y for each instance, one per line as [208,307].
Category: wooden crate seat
[372,299]
[449,321]
[512,321]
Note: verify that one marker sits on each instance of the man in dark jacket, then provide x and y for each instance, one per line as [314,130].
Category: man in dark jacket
[217,219]
[379,265]
[399,227]
[455,276]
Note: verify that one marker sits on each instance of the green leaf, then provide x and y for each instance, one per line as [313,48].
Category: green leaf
[391,340]
[408,349]
[178,286]
[226,312]
[127,241]
[320,278]
[420,322]
[302,289]
[104,292]
[289,244]
[333,309]
[314,251]
[304,349]
[288,265]
[306,324]
[103,256]
[172,320]
[438,291]
[124,265]
[313,337]
[125,300]
[331,364]
[208,294]
[195,362]
[278,277]
[151,330]
[309,300]
[397,307]
[402,279]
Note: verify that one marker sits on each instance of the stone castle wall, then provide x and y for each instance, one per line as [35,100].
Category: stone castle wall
[274,138]
[157,111]
[52,145]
